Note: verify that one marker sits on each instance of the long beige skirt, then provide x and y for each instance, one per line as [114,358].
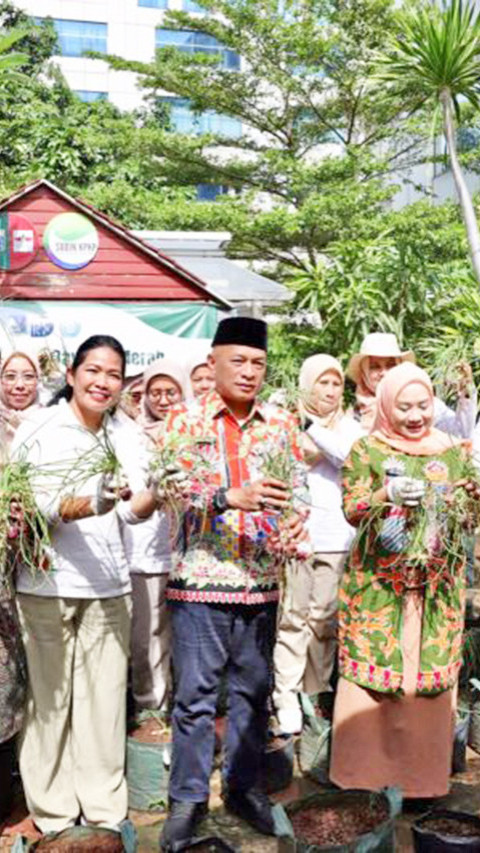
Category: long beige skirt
[407,741]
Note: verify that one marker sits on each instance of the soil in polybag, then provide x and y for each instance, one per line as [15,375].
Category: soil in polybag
[339,824]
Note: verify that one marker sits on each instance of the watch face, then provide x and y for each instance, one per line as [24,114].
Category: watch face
[222,500]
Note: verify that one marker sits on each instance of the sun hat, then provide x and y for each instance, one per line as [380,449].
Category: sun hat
[379,345]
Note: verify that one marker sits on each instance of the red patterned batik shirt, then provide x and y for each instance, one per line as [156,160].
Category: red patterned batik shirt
[225,557]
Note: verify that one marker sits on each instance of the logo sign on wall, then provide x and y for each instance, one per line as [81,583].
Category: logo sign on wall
[70,241]
[18,241]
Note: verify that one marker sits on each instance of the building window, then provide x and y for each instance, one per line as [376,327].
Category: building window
[89,96]
[184,120]
[76,37]
[209,192]
[191,6]
[153,4]
[189,41]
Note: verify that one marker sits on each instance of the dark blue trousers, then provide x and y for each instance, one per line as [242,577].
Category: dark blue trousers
[206,640]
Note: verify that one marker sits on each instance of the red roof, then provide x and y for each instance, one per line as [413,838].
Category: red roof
[124,268]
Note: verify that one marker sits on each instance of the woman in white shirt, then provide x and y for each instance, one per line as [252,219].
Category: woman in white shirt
[76,616]
[149,552]
[305,647]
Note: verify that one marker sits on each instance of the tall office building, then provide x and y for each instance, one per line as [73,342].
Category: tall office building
[132,29]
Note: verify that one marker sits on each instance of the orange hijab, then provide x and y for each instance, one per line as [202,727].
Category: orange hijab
[432,441]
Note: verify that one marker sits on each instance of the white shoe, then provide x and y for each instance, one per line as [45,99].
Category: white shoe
[290,720]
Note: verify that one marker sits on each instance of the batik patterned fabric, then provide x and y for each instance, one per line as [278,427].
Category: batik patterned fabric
[225,557]
[13,677]
[378,572]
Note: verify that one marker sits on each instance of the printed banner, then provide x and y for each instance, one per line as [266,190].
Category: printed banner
[147,331]
[18,241]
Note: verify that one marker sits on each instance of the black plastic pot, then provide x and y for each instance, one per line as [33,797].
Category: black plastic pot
[431,840]
[7,763]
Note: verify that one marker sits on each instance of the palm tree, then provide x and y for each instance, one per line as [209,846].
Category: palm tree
[436,56]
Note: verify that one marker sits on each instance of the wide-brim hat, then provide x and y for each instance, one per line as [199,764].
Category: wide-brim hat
[379,345]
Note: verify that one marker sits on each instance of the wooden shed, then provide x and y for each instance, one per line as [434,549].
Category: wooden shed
[68,271]
[123,267]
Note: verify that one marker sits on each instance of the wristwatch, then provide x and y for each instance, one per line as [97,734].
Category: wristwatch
[220,502]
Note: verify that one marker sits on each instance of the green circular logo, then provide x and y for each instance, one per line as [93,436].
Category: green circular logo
[70,241]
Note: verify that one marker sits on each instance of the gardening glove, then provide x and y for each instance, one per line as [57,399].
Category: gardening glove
[106,495]
[405,491]
[161,480]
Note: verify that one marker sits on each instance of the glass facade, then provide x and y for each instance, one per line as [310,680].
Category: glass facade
[191,6]
[189,41]
[184,120]
[76,37]
[153,4]
[89,97]
[209,192]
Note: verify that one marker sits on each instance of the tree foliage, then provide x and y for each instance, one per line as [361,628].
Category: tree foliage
[435,54]
[310,165]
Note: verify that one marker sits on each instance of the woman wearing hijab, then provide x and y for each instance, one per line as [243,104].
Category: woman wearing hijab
[131,399]
[200,373]
[305,647]
[19,374]
[402,597]
[149,551]
[380,352]
[19,377]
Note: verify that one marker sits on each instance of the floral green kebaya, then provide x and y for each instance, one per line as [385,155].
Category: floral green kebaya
[398,549]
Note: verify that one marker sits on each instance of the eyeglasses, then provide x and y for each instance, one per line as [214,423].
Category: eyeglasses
[13,378]
[170,394]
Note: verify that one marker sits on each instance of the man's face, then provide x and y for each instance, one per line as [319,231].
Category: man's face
[239,371]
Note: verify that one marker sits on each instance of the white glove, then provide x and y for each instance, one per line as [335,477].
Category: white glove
[107,494]
[405,490]
[169,475]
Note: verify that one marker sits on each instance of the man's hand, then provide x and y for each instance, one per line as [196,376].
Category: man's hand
[470,486]
[292,537]
[265,494]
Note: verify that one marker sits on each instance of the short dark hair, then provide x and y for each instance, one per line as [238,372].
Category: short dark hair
[93,342]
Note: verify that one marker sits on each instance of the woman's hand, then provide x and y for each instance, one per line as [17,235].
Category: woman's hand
[405,491]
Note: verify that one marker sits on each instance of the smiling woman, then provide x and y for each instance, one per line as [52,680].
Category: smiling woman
[19,374]
[402,596]
[76,617]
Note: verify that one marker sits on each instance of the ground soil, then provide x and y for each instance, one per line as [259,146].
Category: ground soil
[337,824]
[101,841]
[150,731]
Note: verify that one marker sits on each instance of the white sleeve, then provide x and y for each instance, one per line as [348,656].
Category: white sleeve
[460,422]
[134,451]
[126,514]
[336,444]
[476,446]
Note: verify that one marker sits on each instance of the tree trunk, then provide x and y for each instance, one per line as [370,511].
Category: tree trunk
[464,197]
